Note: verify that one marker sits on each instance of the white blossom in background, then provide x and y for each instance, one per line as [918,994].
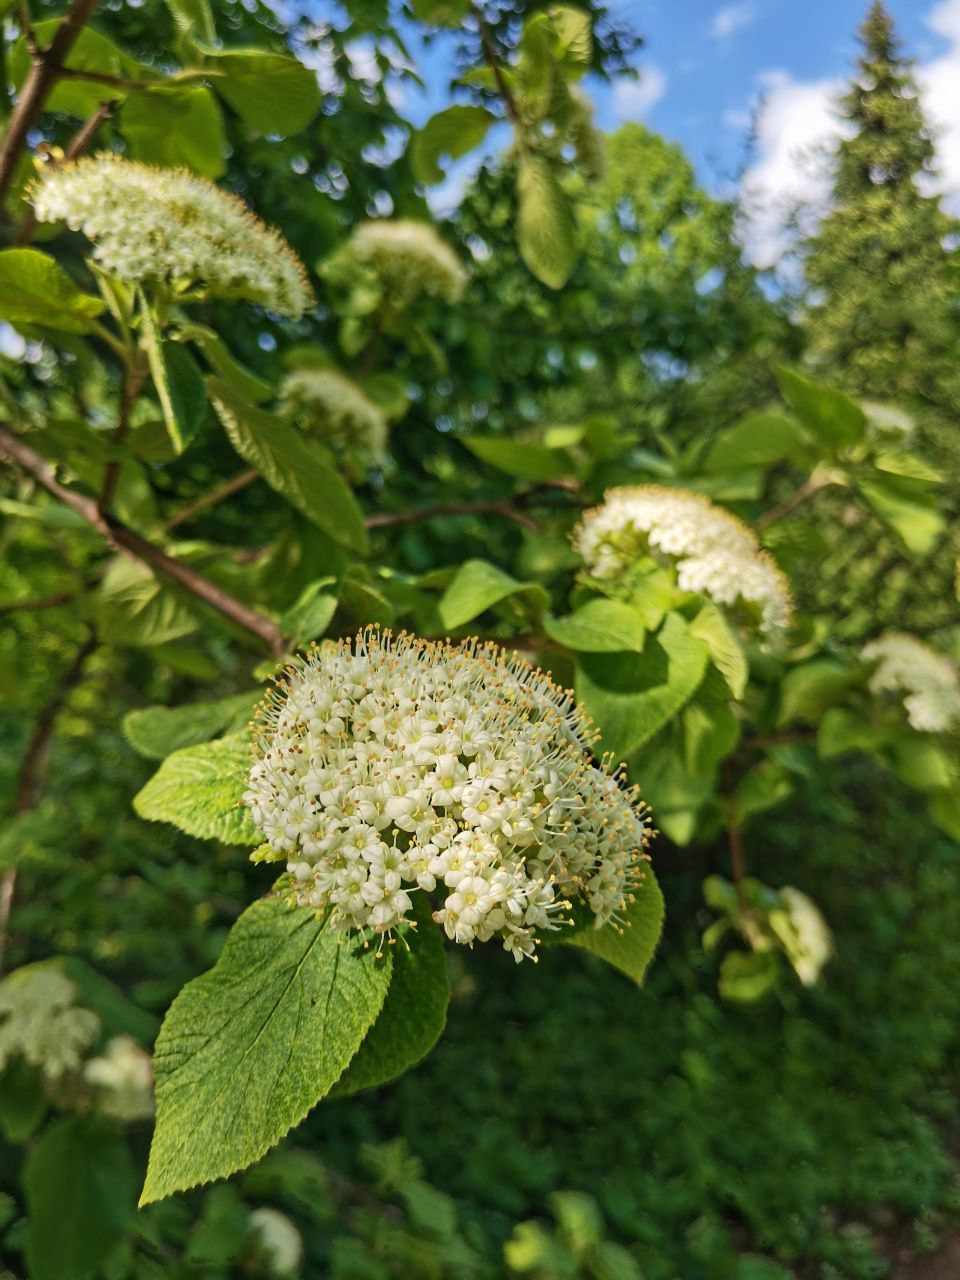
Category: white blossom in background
[806,935]
[714,553]
[166,227]
[408,259]
[929,681]
[122,1077]
[393,766]
[279,1241]
[336,411]
[40,1023]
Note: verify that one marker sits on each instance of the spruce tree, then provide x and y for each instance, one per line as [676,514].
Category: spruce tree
[884,265]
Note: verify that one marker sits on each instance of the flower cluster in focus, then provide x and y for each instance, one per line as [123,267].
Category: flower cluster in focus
[169,228]
[929,680]
[715,554]
[336,411]
[408,258]
[396,765]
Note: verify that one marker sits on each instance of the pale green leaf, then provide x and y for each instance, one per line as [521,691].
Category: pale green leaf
[758,441]
[629,944]
[711,626]
[34,289]
[249,1048]
[155,732]
[519,458]
[134,607]
[200,790]
[478,586]
[242,381]
[178,383]
[545,226]
[832,418]
[908,508]
[599,626]
[271,93]
[450,133]
[747,976]
[181,126]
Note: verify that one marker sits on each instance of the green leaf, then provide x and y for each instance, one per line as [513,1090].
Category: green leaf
[91,52]
[133,607]
[922,763]
[632,696]
[711,626]
[249,1048]
[629,945]
[271,93]
[242,381]
[193,17]
[599,626]
[834,419]
[414,1012]
[907,508]
[545,227]
[291,466]
[810,688]
[574,28]
[758,441]
[747,976]
[440,13]
[477,586]
[764,787]
[79,1187]
[840,731]
[182,126]
[945,811]
[312,613]
[34,289]
[178,382]
[23,1103]
[451,133]
[710,732]
[200,790]
[519,458]
[155,732]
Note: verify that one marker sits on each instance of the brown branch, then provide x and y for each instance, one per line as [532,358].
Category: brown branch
[226,490]
[812,485]
[125,83]
[138,548]
[46,68]
[33,771]
[506,93]
[388,519]
[34,606]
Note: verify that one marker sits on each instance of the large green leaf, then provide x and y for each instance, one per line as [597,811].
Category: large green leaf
[520,458]
[270,92]
[907,507]
[629,944]
[79,1186]
[181,126]
[178,383]
[34,289]
[292,466]
[711,626]
[599,626]
[155,732]
[200,790]
[545,227]
[414,1012]
[811,687]
[477,586]
[243,382]
[134,607]
[632,696]
[249,1048]
[832,418]
[758,441]
[452,133]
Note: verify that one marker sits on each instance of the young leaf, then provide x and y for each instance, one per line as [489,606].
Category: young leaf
[628,945]
[178,382]
[270,93]
[133,607]
[907,508]
[243,381]
[834,419]
[291,467]
[200,790]
[79,1189]
[726,651]
[155,732]
[249,1048]
[34,289]
[599,626]
[182,126]
[758,441]
[414,1012]
[452,133]
[477,586]
[545,226]
[519,458]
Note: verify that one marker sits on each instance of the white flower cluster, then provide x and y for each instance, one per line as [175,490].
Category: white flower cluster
[408,258]
[929,680]
[335,409]
[122,1077]
[397,765]
[715,554]
[805,934]
[167,227]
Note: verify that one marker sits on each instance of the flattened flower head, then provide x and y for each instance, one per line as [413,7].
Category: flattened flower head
[169,228]
[389,767]
[334,409]
[714,553]
[408,258]
[929,681]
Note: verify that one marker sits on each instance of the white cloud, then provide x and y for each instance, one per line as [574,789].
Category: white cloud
[633,99]
[796,122]
[731,18]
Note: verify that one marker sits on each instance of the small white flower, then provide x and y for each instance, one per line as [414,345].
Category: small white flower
[169,228]
[928,680]
[408,259]
[714,553]
[123,1079]
[473,781]
[336,411]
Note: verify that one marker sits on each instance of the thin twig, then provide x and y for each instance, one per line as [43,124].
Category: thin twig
[820,479]
[26,28]
[226,490]
[45,69]
[388,519]
[34,606]
[138,548]
[76,147]
[506,93]
[33,771]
